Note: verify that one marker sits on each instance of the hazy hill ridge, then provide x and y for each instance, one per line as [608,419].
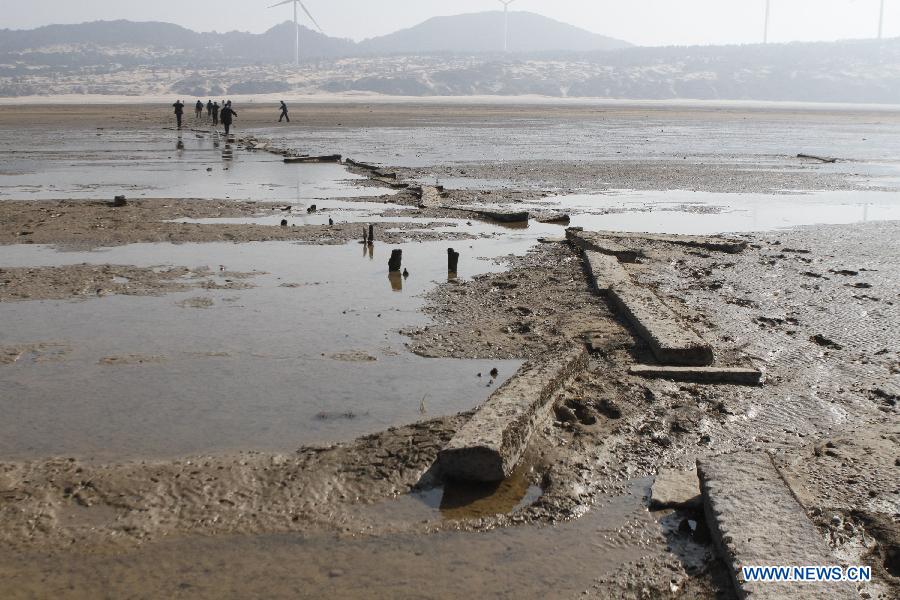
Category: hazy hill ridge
[469,33]
[124,58]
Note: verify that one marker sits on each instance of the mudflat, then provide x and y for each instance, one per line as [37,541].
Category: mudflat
[256,408]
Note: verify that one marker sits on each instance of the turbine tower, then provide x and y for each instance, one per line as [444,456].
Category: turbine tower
[881,21]
[297,24]
[506,4]
[766,29]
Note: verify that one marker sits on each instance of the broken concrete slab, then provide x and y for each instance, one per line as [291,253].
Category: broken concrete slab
[500,216]
[551,218]
[733,375]
[671,341]
[330,158]
[712,243]
[588,240]
[675,489]
[360,165]
[755,520]
[489,446]
[604,271]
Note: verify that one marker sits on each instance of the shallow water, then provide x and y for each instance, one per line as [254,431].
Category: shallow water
[444,141]
[246,372]
[150,164]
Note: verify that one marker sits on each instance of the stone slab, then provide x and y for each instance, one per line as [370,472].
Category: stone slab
[605,271]
[590,241]
[733,375]
[331,158]
[489,446]
[755,520]
[671,341]
[501,216]
[675,489]
[360,165]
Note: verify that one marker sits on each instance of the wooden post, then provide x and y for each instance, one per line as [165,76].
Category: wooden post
[371,234]
[452,260]
[365,237]
[396,260]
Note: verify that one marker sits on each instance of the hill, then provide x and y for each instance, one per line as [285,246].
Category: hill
[483,32]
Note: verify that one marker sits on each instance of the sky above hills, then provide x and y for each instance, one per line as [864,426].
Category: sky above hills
[642,22]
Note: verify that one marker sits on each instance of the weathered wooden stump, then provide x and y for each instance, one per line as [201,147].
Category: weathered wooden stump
[395,263]
[371,234]
[452,260]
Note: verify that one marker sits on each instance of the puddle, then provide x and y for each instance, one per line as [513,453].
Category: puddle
[457,501]
[700,213]
[91,170]
[528,561]
[220,370]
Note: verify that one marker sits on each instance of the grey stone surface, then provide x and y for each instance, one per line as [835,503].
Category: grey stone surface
[675,489]
[735,375]
[489,446]
[605,271]
[755,520]
[672,342]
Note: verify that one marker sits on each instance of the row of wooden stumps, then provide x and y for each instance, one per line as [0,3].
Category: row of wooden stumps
[395,263]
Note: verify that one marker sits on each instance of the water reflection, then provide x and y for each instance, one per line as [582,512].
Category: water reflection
[396,279]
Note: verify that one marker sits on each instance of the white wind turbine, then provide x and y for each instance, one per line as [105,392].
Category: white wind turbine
[297,24]
[881,21]
[766,29]
[506,4]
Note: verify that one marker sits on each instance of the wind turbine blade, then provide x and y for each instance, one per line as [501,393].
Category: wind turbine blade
[308,14]
[281,3]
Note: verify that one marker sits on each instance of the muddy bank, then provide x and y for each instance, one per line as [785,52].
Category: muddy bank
[85,225]
[92,281]
[757,174]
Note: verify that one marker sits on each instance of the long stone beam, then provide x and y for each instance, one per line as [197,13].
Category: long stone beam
[605,271]
[735,375]
[671,342]
[490,445]
[755,520]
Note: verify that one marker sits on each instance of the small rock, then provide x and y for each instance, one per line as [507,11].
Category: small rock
[675,489]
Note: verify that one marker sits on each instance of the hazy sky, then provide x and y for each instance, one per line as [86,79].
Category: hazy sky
[645,22]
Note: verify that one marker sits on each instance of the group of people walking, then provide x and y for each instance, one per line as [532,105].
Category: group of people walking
[216,114]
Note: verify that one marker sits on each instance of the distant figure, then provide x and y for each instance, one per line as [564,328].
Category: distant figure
[179,112]
[208,110]
[215,114]
[198,110]
[227,115]
[284,113]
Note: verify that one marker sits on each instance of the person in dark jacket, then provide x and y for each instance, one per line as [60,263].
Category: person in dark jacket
[208,110]
[215,114]
[227,115]
[284,113]
[198,110]
[179,112]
